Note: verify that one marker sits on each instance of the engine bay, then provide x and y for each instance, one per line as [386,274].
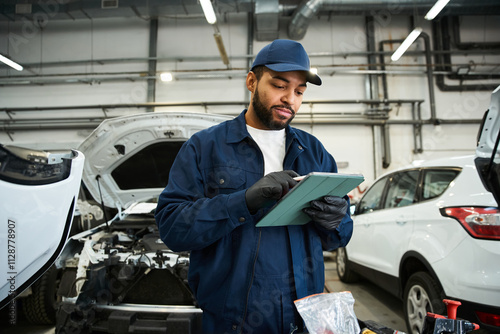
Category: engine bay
[123,267]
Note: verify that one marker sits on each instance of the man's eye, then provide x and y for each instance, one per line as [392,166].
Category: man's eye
[279,87]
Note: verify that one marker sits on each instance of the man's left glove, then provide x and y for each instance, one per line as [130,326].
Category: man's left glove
[327,212]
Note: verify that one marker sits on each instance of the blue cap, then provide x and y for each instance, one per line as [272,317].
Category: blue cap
[284,55]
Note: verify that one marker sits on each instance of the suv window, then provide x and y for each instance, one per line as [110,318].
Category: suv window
[372,199]
[402,188]
[436,181]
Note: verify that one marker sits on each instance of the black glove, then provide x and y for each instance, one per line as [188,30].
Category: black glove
[270,188]
[327,212]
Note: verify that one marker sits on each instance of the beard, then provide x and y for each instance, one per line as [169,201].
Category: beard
[265,116]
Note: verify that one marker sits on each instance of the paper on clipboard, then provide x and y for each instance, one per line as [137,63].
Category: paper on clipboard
[288,211]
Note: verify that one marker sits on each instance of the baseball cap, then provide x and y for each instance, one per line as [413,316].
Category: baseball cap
[284,55]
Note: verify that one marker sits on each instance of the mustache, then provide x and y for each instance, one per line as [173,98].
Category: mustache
[285,107]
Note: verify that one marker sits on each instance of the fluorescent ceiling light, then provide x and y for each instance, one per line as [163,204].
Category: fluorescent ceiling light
[12,64]
[208,10]
[166,76]
[406,44]
[434,11]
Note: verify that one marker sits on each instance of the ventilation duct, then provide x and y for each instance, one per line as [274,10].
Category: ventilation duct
[308,9]
[23,8]
[266,20]
[109,4]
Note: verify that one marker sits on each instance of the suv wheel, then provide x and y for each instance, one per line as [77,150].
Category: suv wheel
[344,271]
[40,307]
[422,294]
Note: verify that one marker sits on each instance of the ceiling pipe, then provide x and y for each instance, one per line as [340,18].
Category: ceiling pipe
[250,37]
[235,73]
[455,24]
[308,9]
[89,124]
[266,18]
[153,47]
[430,73]
[65,123]
[194,104]
[197,59]
[302,17]
[443,62]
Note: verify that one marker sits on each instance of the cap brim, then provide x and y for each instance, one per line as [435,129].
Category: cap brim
[283,67]
[313,78]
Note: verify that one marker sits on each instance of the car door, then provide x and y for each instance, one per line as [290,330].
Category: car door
[38,193]
[394,223]
[361,243]
[386,231]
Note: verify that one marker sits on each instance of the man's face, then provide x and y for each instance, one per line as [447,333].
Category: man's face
[277,96]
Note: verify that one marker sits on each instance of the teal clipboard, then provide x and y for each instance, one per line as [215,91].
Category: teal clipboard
[288,211]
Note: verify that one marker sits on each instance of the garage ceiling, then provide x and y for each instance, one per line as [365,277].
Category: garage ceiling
[267,13]
[84,9]
[269,16]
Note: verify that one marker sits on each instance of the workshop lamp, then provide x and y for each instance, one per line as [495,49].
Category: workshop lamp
[208,10]
[436,9]
[166,77]
[12,64]
[406,44]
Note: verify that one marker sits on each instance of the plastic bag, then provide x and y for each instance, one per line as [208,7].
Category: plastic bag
[329,313]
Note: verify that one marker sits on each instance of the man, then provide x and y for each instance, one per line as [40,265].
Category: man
[225,178]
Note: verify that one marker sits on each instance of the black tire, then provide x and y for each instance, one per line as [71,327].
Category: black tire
[422,294]
[40,307]
[344,271]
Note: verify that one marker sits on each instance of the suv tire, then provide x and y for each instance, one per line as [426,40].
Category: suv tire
[344,271]
[422,294]
[40,307]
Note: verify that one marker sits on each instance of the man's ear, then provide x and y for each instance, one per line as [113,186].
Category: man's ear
[251,81]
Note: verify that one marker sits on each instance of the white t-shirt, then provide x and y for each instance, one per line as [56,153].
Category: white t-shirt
[272,144]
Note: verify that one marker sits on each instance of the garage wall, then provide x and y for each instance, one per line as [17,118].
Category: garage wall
[356,146]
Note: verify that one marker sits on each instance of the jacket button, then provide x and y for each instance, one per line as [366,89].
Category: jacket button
[221,181]
[300,147]
[242,219]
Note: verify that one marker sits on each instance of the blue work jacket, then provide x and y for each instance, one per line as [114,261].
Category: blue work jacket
[203,210]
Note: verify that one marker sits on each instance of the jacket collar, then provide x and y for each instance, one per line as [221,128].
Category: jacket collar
[237,131]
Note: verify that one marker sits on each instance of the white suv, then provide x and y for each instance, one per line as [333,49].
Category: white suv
[432,231]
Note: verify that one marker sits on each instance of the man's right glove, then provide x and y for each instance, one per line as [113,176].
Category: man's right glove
[268,189]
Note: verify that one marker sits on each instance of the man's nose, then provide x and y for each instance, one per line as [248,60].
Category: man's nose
[288,97]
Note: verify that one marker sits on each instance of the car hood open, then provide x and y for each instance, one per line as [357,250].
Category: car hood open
[128,158]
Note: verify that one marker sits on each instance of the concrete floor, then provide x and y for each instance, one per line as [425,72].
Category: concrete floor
[371,303]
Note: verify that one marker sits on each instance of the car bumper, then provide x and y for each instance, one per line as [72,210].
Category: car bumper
[471,272]
[469,311]
[129,318]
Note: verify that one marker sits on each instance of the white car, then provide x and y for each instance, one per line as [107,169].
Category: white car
[38,195]
[432,231]
[119,276]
